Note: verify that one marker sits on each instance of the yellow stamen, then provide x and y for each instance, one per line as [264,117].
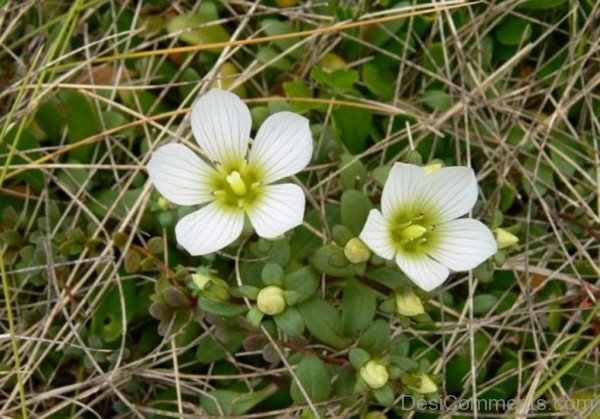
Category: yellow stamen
[236,183]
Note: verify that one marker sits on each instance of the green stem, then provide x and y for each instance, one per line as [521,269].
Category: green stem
[13,338]
[589,347]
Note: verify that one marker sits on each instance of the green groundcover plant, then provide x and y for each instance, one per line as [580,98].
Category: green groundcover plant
[314,209]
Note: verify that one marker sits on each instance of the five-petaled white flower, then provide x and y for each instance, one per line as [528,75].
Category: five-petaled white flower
[420,227]
[234,182]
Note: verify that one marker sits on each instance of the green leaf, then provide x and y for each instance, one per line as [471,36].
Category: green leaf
[132,261]
[390,277]
[513,31]
[82,123]
[273,27]
[174,297]
[379,82]
[221,308]
[541,4]
[272,56]
[272,274]
[437,100]
[27,142]
[433,58]
[48,118]
[353,127]
[196,30]
[355,174]
[209,350]
[304,281]
[542,180]
[358,357]
[315,379]
[355,207]
[299,89]
[323,321]
[290,322]
[330,260]
[341,234]
[107,320]
[381,173]
[340,79]
[483,303]
[254,316]
[359,308]
[376,339]
[384,395]
[228,402]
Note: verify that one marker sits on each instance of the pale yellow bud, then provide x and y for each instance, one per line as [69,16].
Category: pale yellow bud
[505,238]
[409,304]
[374,374]
[432,167]
[271,300]
[200,280]
[427,385]
[375,414]
[356,251]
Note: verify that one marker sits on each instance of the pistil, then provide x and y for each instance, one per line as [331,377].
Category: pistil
[236,183]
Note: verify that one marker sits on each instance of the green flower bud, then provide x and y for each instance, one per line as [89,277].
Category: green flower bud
[356,251]
[210,286]
[375,414]
[505,238]
[374,374]
[163,204]
[427,385]
[409,304]
[271,300]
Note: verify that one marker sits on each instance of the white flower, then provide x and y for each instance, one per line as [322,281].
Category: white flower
[420,227]
[234,182]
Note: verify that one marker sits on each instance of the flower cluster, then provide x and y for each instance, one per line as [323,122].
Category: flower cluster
[418,226]
[236,182]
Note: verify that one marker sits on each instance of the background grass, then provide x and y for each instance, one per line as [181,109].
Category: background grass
[91,88]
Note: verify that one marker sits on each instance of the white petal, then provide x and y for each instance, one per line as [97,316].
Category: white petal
[422,270]
[402,189]
[376,235]
[462,244]
[281,208]
[283,146]
[180,175]
[451,191]
[209,229]
[221,123]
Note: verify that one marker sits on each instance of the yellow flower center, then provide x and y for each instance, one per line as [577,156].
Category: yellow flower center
[237,187]
[410,232]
